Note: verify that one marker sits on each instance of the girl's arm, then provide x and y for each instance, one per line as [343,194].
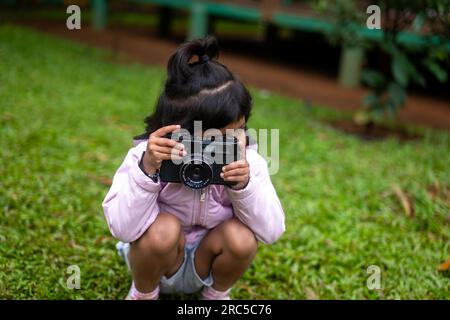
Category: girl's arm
[130,206]
[257,205]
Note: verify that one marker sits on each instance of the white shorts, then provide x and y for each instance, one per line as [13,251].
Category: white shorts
[185,279]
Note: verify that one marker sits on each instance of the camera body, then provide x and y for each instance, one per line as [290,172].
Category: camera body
[202,165]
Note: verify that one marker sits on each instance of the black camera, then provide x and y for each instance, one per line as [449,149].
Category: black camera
[203,162]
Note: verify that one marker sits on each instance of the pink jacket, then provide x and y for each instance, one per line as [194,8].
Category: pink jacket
[134,201]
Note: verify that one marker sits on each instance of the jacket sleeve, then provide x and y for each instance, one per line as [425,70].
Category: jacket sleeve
[130,205]
[257,205]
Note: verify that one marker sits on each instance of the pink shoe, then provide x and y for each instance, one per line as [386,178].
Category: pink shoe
[209,293]
[134,294]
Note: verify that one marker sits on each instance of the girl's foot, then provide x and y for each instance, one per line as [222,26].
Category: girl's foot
[134,294]
[209,293]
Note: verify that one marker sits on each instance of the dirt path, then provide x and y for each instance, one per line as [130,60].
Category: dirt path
[305,85]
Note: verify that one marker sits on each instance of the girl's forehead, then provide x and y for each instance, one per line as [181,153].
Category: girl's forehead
[239,124]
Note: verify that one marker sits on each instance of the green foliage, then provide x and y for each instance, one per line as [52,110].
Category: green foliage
[389,86]
[346,17]
[67,116]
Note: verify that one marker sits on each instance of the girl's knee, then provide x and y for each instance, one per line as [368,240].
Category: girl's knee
[238,239]
[163,236]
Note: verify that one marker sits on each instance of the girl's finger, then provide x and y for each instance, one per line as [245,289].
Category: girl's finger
[242,178]
[164,142]
[165,130]
[167,150]
[235,165]
[236,172]
[165,156]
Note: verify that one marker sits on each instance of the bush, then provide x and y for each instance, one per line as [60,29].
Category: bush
[388,87]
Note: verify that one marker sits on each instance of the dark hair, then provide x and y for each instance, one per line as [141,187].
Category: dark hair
[203,89]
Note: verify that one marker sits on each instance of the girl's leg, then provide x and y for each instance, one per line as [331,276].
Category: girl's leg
[159,251]
[227,251]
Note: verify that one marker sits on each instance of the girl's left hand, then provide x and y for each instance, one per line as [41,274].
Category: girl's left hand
[238,171]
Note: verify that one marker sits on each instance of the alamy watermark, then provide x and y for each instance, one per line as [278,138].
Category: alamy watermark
[74,279]
[374,277]
[73,21]
[374,20]
[266,140]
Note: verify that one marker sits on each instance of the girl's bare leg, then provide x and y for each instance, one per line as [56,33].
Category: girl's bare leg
[159,251]
[227,251]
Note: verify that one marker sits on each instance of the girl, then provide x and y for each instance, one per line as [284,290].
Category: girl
[179,239]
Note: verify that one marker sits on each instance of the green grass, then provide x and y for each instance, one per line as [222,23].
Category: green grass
[67,115]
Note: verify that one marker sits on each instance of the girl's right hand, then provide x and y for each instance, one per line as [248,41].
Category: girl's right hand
[160,148]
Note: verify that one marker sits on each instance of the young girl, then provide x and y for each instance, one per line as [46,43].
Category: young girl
[182,239]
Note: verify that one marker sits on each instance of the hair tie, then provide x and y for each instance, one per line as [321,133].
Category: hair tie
[203,59]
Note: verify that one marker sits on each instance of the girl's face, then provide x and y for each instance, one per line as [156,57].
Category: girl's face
[239,127]
[236,128]
[239,124]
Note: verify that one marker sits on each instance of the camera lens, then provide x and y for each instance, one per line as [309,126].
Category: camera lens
[196,174]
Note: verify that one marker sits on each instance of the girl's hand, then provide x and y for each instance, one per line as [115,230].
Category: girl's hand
[159,149]
[238,171]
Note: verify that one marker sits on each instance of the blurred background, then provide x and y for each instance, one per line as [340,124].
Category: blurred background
[317,50]
[364,119]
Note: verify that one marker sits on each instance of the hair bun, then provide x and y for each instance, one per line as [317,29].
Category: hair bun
[206,49]
[203,59]
[211,48]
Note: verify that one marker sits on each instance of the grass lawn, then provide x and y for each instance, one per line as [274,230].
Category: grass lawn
[67,115]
